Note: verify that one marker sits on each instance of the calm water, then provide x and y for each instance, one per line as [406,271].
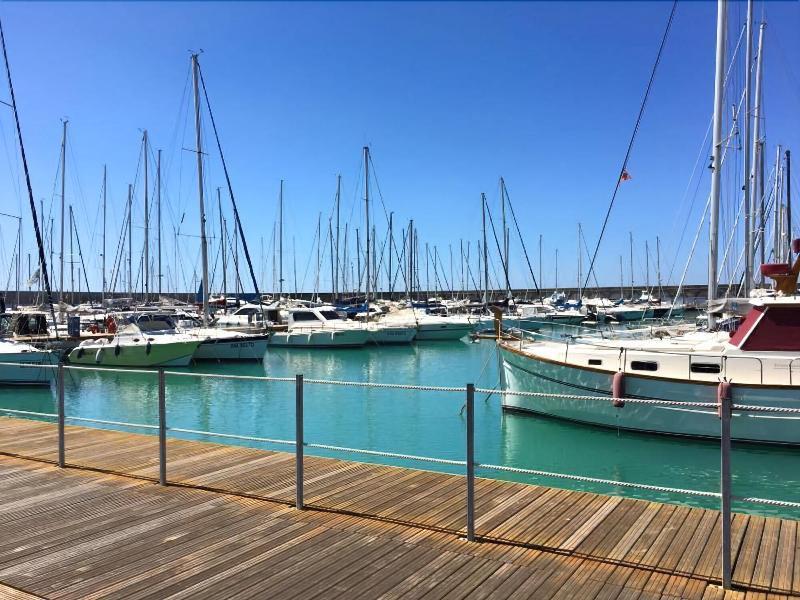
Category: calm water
[420,423]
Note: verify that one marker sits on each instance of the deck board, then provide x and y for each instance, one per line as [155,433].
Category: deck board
[229,530]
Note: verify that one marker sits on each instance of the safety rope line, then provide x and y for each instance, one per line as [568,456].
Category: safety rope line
[105,422]
[27,412]
[443,461]
[767,501]
[399,386]
[251,438]
[235,377]
[643,486]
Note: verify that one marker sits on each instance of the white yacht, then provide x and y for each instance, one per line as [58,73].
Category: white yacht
[431,327]
[25,359]
[248,318]
[320,327]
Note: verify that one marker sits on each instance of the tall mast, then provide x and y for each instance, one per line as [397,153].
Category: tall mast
[647,266]
[391,248]
[621,279]
[338,201]
[71,256]
[130,240]
[505,235]
[366,216]
[63,186]
[358,259]
[556,269]
[485,254]
[280,240]
[719,92]
[756,181]
[788,156]
[158,199]
[748,229]
[580,263]
[762,226]
[103,295]
[630,237]
[319,257]
[333,262]
[223,234]
[778,208]
[146,269]
[541,281]
[658,264]
[199,152]
[410,281]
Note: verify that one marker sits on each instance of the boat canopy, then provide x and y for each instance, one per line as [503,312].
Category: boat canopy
[770,327]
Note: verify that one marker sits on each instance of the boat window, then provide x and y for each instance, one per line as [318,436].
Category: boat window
[699,367]
[644,365]
[329,315]
[246,311]
[159,324]
[304,316]
[595,361]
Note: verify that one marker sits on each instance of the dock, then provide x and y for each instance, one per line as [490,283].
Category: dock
[226,526]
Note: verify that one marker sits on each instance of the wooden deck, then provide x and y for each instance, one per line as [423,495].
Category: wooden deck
[228,530]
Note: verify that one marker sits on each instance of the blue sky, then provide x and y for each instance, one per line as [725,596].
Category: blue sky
[449,96]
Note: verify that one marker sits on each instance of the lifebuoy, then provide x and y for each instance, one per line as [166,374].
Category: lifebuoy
[111,325]
[723,395]
[618,389]
[772,269]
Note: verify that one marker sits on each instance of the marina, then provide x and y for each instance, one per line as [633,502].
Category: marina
[430,304]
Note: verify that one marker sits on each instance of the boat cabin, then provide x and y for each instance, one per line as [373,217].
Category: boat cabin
[773,325]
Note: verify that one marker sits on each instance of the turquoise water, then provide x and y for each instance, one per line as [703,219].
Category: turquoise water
[419,422]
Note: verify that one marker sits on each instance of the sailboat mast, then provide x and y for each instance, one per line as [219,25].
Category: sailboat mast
[719,92]
[199,152]
[223,234]
[630,237]
[777,204]
[580,264]
[748,229]
[391,249]
[410,281]
[788,158]
[130,240]
[621,279]
[146,270]
[541,281]
[505,235]
[71,255]
[647,266]
[485,254]
[63,186]
[756,181]
[280,240]
[158,200]
[338,230]
[366,216]
[103,294]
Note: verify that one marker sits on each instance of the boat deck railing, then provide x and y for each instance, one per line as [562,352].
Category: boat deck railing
[719,408]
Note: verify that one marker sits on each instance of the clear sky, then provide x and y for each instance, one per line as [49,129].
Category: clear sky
[449,96]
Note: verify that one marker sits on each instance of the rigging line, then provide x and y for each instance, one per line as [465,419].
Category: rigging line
[230,187]
[497,243]
[633,137]
[522,241]
[39,243]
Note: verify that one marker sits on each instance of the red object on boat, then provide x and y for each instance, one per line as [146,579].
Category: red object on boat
[772,269]
[618,389]
[723,394]
[796,246]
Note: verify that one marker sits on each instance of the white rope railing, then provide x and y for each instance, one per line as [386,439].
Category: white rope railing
[107,422]
[232,377]
[28,412]
[442,461]
[613,482]
[250,438]
[768,501]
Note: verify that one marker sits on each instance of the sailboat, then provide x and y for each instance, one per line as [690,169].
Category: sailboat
[761,360]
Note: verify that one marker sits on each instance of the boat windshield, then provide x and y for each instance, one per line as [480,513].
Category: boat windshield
[154,323]
[329,315]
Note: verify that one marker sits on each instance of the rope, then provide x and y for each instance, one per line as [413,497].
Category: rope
[397,386]
[767,501]
[239,377]
[642,486]
[104,422]
[633,138]
[27,412]
[442,461]
[251,438]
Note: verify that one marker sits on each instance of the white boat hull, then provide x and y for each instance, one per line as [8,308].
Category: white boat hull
[173,354]
[522,372]
[391,335]
[239,348]
[320,338]
[427,332]
[24,374]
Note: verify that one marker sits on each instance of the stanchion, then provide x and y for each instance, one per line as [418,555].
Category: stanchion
[162,428]
[470,462]
[298,444]
[60,411]
[724,400]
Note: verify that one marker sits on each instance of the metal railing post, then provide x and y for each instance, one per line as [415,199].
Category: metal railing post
[724,399]
[298,445]
[162,427]
[471,462]
[60,411]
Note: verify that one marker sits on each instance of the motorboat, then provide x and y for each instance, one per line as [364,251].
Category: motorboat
[431,327]
[144,343]
[22,364]
[215,343]
[248,318]
[320,327]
